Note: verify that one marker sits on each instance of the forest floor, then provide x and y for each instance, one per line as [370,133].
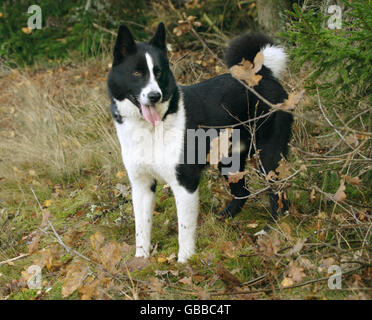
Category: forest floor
[65,204]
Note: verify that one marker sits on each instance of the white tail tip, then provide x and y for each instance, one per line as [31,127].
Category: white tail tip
[275,59]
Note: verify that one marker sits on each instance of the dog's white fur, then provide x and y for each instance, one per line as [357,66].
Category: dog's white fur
[153,153]
[275,59]
[152,85]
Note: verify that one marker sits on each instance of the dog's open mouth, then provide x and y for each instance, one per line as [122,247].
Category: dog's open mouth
[150,114]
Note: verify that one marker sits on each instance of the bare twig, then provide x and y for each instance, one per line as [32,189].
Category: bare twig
[14,259]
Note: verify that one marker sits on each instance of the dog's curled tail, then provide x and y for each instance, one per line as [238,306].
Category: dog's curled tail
[248,45]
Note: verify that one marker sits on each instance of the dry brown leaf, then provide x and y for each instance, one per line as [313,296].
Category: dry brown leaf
[156,284]
[247,71]
[283,169]
[295,272]
[305,263]
[47,203]
[325,264]
[96,240]
[71,237]
[287,282]
[76,273]
[286,229]
[269,246]
[49,258]
[236,177]
[186,280]
[137,263]
[227,277]
[110,255]
[34,245]
[46,215]
[355,181]
[271,176]
[340,195]
[227,248]
[312,195]
[296,249]
[185,26]
[292,101]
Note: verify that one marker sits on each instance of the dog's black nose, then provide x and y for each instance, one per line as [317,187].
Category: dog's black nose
[154,96]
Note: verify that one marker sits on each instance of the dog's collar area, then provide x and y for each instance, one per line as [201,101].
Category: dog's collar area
[115,113]
[134,100]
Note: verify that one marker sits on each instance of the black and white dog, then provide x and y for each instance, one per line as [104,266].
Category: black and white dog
[153,116]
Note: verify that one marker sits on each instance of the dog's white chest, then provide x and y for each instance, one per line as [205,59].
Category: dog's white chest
[154,151]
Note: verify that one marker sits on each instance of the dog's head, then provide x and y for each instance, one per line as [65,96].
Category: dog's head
[140,81]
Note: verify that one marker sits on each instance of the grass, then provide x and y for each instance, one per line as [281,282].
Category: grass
[57,139]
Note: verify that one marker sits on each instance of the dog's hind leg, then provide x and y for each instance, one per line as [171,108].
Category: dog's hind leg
[272,151]
[237,189]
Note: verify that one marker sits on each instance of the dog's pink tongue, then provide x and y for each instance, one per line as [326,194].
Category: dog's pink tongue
[150,115]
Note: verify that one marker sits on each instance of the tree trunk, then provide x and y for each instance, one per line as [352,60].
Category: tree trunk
[270,13]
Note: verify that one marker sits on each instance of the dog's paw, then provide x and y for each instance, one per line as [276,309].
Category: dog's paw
[232,208]
[140,253]
[225,213]
[183,257]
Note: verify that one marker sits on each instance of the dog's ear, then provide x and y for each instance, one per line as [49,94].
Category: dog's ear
[124,44]
[158,40]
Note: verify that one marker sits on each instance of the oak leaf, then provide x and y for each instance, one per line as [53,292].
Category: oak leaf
[247,71]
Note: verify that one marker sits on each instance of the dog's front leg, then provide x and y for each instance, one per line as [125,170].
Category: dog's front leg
[187,212]
[143,204]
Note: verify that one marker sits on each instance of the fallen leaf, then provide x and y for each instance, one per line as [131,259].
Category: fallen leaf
[26,30]
[296,249]
[355,181]
[295,272]
[283,169]
[287,282]
[137,263]
[340,195]
[269,246]
[47,203]
[305,263]
[227,248]
[227,277]
[34,245]
[312,195]
[161,258]
[325,264]
[122,190]
[271,176]
[96,240]
[76,273]
[46,215]
[236,177]
[120,174]
[186,280]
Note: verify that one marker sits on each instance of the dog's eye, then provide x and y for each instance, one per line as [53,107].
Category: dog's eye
[137,74]
[157,74]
